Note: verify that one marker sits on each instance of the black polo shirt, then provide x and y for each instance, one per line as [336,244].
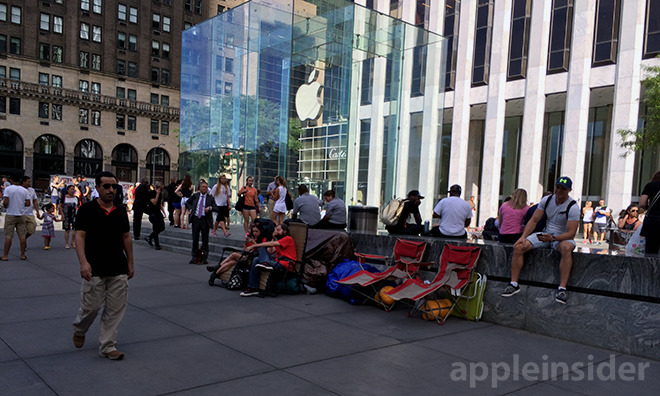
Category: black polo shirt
[104,243]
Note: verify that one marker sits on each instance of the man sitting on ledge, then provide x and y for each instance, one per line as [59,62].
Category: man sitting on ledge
[563,218]
[335,213]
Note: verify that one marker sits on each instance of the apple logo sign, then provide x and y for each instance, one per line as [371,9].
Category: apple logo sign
[308,98]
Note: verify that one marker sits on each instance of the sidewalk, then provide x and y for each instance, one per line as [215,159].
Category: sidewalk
[182,336]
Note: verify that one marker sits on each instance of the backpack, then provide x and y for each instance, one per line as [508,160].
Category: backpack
[568,209]
[391,212]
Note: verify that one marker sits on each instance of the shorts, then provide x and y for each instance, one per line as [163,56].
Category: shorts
[55,199]
[538,244]
[176,205]
[600,227]
[245,207]
[15,222]
[587,222]
[223,213]
[183,202]
[30,224]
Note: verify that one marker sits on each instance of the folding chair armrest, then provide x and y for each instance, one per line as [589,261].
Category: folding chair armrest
[420,264]
[363,256]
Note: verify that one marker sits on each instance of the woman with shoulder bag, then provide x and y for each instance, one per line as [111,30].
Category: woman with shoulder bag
[651,226]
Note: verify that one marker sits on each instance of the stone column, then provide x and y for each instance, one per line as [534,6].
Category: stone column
[107,163]
[69,163]
[625,113]
[28,160]
[495,113]
[534,111]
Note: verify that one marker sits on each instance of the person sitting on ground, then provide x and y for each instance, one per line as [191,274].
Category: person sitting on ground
[255,236]
[284,248]
[455,215]
[308,206]
[562,225]
[410,207]
[335,213]
[511,217]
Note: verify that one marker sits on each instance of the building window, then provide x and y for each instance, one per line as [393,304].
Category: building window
[84,59]
[133,15]
[121,92]
[121,40]
[155,21]
[84,31]
[58,54]
[198,7]
[121,67]
[219,59]
[228,88]
[363,160]
[154,127]
[3,12]
[164,100]
[56,114]
[165,77]
[164,128]
[155,74]
[422,13]
[44,23]
[58,23]
[482,42]
[554,141]
[44,79]
[96,62]
[166,51]
[84,5]
[96,34]
[229,65]
[3,72]
[121,12]
[98,6]
[14,74]
[132,94]
[132,69]
[452,13]
[83,116]
[15,106]
[167,22]
[3,43]
[510,155]
[154,98]
[56,81]
[367,81]
[418,72]
[560,36]
[414,150]
[3,104]
[597,149]
[15,45]
[83,85]
[96,118]
[155,48]
[44,110]
[132,42]
[121,121]
[188,5]
[96,88]
[652,36]
[519,42]
[44,51]
[131,123]
[16,15]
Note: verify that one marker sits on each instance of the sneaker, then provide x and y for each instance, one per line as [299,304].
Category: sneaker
[227,234]
[249,292]
[46,247]
[264,266]
[212,279]
[78,340]
[510,290]
[560,296]
[158,247]
[214,233]
[149,241]
[113,355]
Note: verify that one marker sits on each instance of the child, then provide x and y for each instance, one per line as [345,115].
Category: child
[48,228]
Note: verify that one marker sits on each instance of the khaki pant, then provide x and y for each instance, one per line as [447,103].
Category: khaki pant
[111,293]
[15,222]
[271,206]
[30,224]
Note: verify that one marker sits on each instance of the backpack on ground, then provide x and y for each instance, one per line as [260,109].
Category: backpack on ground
[391,212]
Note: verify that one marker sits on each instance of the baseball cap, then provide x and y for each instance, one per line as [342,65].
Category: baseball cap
[565,181]
[415,193]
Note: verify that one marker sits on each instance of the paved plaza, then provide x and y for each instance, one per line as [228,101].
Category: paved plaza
[181,336]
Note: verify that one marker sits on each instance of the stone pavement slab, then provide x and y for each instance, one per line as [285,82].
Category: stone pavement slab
[182,336]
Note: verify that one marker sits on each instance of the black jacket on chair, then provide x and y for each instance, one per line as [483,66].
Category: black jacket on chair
[191,205]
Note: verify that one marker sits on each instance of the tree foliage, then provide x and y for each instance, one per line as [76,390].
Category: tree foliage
[648,136]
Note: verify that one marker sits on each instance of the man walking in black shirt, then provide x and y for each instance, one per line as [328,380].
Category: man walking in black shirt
[140,206]
[201,206]
[105,252]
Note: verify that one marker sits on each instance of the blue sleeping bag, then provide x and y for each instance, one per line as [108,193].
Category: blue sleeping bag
[345,292]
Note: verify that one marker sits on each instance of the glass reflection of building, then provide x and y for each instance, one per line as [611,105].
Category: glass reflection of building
[315,92]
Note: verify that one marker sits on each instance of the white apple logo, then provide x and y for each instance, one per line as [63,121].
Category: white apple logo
[308,98]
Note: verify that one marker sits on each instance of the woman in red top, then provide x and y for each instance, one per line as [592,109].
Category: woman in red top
[256,236]
[285,248]
[251,206]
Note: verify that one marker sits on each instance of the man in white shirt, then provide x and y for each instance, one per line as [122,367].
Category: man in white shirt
[455,214]
[28,211]
[15,198]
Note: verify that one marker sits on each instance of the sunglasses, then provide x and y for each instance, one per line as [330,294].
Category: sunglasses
[633,210]
[108,185]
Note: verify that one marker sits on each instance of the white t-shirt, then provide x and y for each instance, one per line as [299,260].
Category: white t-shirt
[28,210]
[17,196]
[221,199]
[453,212]
[602,218]
[557,218]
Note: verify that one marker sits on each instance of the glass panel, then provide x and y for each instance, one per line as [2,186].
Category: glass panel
[554,136]
[597,150]
[363,161]
[414,150]
[560,35]
[652,37]
[510,155]
[607,32]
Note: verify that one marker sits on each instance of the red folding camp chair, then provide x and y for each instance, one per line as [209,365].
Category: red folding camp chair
[454,274]
[407,258]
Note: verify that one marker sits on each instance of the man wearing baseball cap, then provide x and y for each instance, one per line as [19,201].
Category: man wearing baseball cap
[563,219]
[410,207]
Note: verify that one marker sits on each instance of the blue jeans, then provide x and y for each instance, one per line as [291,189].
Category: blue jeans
[255,272]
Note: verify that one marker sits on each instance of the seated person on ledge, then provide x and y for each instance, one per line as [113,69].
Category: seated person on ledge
[410,207]
[283,246]
[335,213]
[255,236]
[563,219]
[455,215]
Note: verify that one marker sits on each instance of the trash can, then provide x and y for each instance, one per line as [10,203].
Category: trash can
[363,219]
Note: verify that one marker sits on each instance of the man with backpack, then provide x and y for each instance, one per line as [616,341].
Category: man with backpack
[602,220]
[563,219]
[399,225]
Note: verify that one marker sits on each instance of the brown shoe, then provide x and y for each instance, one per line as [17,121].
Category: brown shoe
[78,340]
[113,355]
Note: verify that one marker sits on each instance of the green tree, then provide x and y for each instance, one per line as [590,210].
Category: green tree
[648,136]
